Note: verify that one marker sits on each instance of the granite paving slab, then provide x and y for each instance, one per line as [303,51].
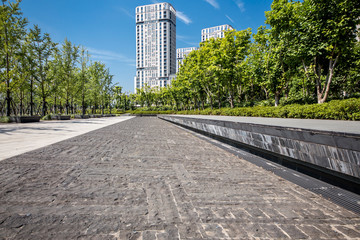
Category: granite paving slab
[17,138]
[145,178]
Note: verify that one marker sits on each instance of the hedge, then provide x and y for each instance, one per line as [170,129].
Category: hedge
[348,109]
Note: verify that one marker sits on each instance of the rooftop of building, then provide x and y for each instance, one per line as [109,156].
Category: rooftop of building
[214,27]
[162,3]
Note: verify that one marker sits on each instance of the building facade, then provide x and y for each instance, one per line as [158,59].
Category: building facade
[181,53]
[155,44]
[214,32]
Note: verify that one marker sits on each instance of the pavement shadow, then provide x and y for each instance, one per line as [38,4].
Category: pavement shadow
[38,129]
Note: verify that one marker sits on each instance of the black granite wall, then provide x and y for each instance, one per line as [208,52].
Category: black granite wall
[335,151]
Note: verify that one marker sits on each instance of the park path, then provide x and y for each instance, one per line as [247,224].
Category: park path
[147,179]
[17,138]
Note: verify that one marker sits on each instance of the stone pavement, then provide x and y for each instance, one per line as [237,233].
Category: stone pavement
[19,138]
[147,179]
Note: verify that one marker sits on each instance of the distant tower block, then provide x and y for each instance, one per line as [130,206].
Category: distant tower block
[155,45]
[214,32]
[181,53]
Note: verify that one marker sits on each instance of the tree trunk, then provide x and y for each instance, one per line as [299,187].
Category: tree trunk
[8,94]
[83,105]
[67,105]
[72,108]
[8,101]
[55,105]
[44,107]
[219,99]
[31,97]
[14,108]
[231,99]
[21,105]
[277,98]
[323,94]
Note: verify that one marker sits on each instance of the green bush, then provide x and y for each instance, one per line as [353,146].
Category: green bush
[348,109]
[46,117]
[4,119]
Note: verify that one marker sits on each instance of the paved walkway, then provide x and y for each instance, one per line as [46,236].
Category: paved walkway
[147,179]
[352,127]
[19,138]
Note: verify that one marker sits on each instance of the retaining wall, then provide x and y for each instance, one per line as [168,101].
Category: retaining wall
[336,151]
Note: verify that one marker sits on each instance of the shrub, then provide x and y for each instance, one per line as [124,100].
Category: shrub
[5,119]
[46,117]
[348,109]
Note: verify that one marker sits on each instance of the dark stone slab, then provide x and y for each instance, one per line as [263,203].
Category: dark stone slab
[82,116]
[95,115]
[331,138]
[60,117]
[310,146]
[25,119]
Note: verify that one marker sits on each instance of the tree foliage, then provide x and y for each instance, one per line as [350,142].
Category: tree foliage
[308,53]
[39,77]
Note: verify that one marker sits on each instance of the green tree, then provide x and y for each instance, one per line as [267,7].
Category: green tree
[83,77]
[57,74]
[12,30]
[23,83]
[69,54]
[117,91]
[97,76]
[233,51]
[145,96]
[281,56]
[41,48]
[326,39]
[106,90]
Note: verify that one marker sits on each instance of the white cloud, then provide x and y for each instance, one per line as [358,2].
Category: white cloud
[240,5]
[229,18]
[181,37]
[213,3]
[187,40]
[104,55]
[183,17]
[126,12]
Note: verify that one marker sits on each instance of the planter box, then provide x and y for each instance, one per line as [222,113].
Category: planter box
[143,115]
[60,117]
[95,115]
[25,119]
[82,116]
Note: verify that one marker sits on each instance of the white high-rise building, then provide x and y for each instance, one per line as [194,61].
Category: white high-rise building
[155,44]
[214,32]
[181,53]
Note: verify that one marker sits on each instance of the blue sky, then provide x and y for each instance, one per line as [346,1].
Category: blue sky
[107,27]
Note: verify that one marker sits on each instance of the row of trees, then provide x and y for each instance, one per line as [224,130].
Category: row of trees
[39,76]
[308,53]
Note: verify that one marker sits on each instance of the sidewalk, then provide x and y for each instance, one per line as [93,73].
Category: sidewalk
[18,138]
[148,179]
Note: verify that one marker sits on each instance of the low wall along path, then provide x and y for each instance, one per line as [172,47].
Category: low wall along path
[332,147]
